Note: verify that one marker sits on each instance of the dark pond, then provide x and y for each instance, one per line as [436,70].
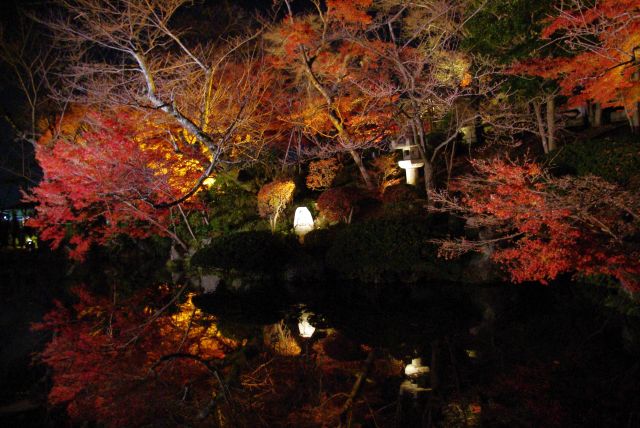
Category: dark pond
[500,355]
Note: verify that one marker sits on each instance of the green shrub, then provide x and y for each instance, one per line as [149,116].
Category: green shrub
[388,249]
[254,251]
[231,206]
[318,241]
[616,161]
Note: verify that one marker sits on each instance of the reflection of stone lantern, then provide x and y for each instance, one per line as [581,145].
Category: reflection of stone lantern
[302,221]
[411,160]
[306,329]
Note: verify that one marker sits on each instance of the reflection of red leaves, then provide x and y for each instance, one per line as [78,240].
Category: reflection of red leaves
[99,376]
[525,395]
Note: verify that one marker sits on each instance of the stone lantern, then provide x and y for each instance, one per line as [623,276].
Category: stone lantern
[411,160]
[302,221]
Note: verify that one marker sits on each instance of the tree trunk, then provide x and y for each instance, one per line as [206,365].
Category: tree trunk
[363,170]
[537,109]
[634,119]
[428,175]
[345,413]
[551,122]
[597,115]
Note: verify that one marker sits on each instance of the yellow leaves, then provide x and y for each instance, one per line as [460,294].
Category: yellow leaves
[198,329]
[452,67]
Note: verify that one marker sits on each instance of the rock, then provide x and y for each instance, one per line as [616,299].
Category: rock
[209,283]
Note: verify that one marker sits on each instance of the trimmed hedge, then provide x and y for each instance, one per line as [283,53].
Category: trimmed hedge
[617,161]
[254,251]
[389,249]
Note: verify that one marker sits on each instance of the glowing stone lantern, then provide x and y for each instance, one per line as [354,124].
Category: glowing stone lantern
[411,160]
[416,369]
[306,329]
[302,221]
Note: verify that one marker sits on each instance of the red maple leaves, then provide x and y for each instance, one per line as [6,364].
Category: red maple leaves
[602,40]
[545,226]
[104,183]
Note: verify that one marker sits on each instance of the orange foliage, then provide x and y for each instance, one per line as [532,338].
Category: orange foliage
[601,70]
[350,11]
[105,182]
[273,198]
[322,173]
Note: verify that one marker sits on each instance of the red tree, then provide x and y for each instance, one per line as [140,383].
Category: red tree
[339,203]
[107,181]
[603,41]
[330,75]
[545,226]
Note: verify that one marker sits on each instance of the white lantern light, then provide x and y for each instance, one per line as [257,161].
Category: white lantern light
[306,329]
[302,221]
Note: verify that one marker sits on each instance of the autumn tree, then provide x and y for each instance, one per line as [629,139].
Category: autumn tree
[598,61]
[329,75]
[273,198]
[431,75]
[322,172]
[142,55]
[108,179]
[338,204]
[543,226]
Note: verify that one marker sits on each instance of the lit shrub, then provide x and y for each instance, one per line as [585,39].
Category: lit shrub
[399,193]
[402,200]
[322,173]
[386,171]
[273,198]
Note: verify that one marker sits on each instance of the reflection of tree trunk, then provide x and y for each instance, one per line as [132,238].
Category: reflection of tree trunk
[345,413]
[551,122]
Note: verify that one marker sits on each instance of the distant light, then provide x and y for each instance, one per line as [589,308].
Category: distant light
[302,221]
[29,240]
[471,353]
[306,329]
